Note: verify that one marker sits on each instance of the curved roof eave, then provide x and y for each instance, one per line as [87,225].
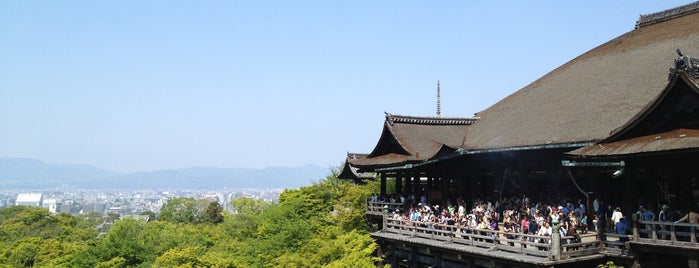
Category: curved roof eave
[387,134]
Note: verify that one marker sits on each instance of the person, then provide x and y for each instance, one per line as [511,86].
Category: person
[563,231]
[645,214]
[554,217]
[573,222]
[601,228]
[692,217]
[595,220]
[533,228]
[509,228]
[525,224]
[545,230]
[621,229]
[583,224]
[663,214]
[616,216]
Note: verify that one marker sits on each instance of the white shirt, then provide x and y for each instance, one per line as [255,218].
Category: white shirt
[545,231]
[616,216]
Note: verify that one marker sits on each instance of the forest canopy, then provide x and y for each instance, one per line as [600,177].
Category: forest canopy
[322,225]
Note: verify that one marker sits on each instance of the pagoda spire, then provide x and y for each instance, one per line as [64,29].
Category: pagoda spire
[439,108]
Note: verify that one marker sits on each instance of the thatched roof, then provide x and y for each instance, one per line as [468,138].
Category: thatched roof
[411,139]
[592,96]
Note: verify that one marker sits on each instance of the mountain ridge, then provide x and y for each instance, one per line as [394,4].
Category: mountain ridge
[26,173]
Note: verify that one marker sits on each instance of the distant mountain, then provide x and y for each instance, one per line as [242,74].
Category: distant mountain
[20,173]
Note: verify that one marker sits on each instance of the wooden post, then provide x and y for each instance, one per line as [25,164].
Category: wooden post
[654,235]
[673,235]
[394,258]
[411,180]
[635,227]
[692,261]
[384,218]
[383,183]
[399,183]
[408,183]
[555,254]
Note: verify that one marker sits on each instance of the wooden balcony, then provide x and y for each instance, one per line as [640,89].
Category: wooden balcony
[378,209]
[452,243]
[531,249]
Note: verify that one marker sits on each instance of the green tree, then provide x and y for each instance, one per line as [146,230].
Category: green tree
[148,213]
[116,262]
[183,210]
[23,254]
[214,213]
[321,225]
[246,205]
[609,264]
[124,240]
[31,236]
[113,217]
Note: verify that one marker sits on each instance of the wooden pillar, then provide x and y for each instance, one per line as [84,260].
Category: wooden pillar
[498,182]
[524,182]
[408,182]
[555,245]
[463,192]
[383,183]
[470,262]
[399,183]
[413,257]
[416,180]
[650,191]
[473,184]
[632,193]
[692,261]
[428,186]
[437,260]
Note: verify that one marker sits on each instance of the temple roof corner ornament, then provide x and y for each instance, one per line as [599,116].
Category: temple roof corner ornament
[687,64]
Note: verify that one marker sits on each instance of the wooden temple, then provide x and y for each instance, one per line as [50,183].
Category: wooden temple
[619,123]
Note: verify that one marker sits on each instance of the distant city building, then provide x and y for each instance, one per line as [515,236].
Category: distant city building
[29,199]
[53,205]
[94,207]
[118,210]
[66,207]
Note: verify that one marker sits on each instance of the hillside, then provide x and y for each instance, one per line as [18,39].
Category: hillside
[20,173]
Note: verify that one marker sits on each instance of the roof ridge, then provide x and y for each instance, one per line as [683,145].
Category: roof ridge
[427,120]
[668,14]
[356,155]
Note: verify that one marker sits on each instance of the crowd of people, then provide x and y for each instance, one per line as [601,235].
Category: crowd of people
[523,215]
[511,215]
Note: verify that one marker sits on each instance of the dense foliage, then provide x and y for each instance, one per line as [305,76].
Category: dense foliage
[322,225]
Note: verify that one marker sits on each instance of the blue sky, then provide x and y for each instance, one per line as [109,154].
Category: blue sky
[146,85]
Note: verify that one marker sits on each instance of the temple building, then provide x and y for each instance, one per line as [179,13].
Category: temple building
[619,123]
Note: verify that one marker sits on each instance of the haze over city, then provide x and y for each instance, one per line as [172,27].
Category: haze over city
[139,86]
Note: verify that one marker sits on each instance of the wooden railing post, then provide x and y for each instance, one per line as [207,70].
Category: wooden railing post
[555,254]
[673,235]
[384,223]
[694,234]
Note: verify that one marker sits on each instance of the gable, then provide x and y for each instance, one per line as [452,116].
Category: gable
[387,144]
[677,107]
